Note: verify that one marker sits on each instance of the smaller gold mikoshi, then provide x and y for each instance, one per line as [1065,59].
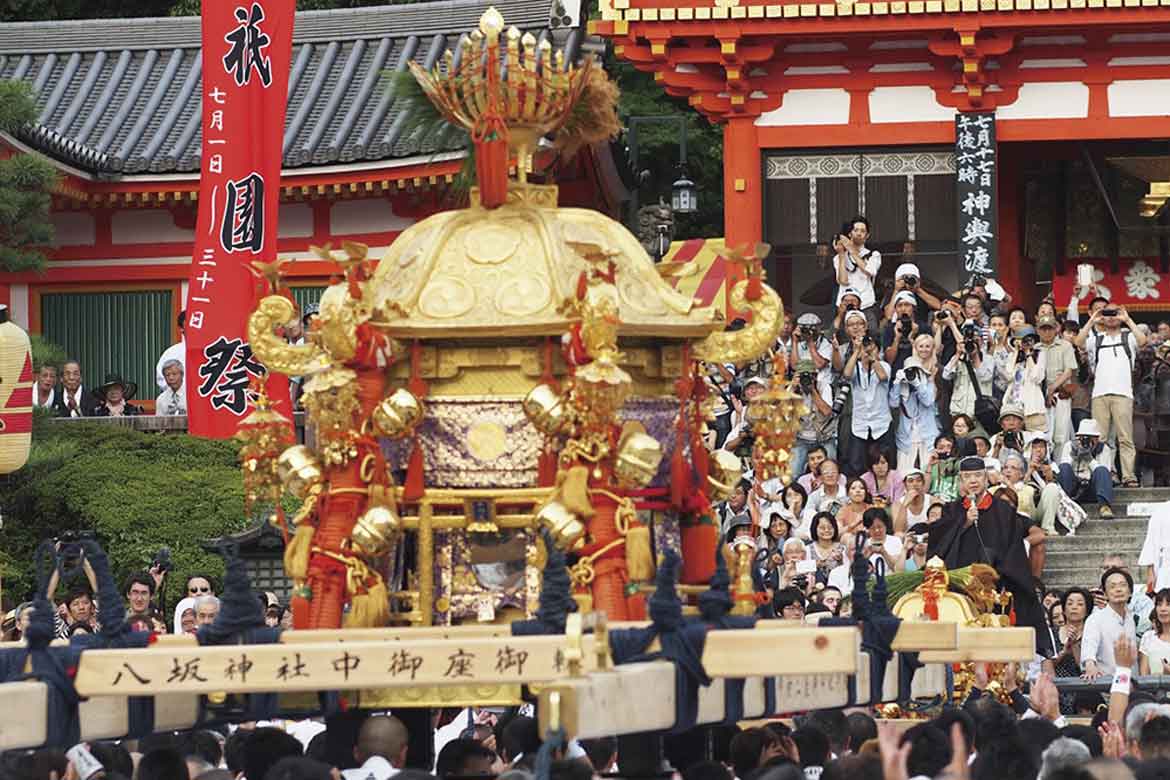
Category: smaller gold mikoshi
[298,470]
[566,528]
[374,531]
[725,472]
[546,409]
[398,415]
[637,460]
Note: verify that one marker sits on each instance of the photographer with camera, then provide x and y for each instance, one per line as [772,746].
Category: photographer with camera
[968,369]
[1060,371]
[989,291]
[856,266]
[818,427]
[740,439]
[907,278]
[1084,468]
[869,382]
[942,470]
[1024,372]
[899,333]
[809,344]
[915,543]
[1111,354]
[913,393]
[1012,436]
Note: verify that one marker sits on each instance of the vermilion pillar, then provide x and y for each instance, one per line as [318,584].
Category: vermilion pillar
[1016,272]
[743,196]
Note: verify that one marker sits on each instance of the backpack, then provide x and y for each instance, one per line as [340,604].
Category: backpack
[1125,334]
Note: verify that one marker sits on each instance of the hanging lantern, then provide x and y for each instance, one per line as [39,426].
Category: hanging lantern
[684,197]
[16,389]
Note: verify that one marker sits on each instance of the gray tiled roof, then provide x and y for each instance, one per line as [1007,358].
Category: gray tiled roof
[123,96]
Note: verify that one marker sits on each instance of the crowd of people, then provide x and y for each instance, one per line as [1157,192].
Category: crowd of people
[904,394]
[999,733]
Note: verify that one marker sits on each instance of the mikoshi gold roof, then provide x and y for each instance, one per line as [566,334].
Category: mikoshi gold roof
[507,271]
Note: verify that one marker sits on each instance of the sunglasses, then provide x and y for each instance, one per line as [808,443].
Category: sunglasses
[199,590]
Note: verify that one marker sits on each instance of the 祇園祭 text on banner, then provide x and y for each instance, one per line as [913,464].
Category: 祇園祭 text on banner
[247,47]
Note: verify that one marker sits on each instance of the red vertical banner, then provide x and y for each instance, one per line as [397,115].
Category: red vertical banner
[247,48]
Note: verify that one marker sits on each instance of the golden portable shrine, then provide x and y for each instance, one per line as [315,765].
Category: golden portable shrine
[518,365]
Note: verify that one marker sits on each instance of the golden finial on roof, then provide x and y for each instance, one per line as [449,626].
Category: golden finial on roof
[512,93]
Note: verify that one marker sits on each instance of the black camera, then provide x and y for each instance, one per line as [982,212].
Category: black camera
[806,381]
[942,314]
[910,280]
[1109,312]
[906,324]
[911,373]
[867,341]
[978,280]
[970,331]
[850,307]
[800,581]
[1013,440]
[1085,442]
[162,560]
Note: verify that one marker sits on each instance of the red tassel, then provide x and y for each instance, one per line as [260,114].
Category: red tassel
[299,605]
[546,468]
[680,476]
[415,485]
[755,288]
[416,384]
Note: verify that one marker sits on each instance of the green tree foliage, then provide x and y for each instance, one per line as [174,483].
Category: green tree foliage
[658,149]
[135,491]
[45,352]
[26,181]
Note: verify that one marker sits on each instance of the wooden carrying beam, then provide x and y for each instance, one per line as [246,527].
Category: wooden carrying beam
[460,659]
[992,645]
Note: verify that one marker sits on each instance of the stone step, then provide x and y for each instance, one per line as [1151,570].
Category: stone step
[1087,559]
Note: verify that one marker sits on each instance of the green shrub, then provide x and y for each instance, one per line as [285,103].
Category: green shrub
[135,491]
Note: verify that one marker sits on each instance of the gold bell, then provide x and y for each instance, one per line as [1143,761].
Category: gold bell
[374,531]
[639,455]
[566,528]
[398,415]
[298,470]
[724,474]
[545,408]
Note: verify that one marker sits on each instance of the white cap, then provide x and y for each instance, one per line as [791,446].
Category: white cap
[854,313]
[849,291]
[1089,427]
[913,473]
[906,269]
[905,296]
[993,464]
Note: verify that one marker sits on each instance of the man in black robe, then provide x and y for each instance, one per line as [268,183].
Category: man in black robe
[980,528]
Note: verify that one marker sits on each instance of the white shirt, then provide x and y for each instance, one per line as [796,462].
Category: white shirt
[1102,629]
[1156,651]
[171,402]
[177,351]
[375,768]
[893,547]
[858,279]
[48,402]
[1113,372]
